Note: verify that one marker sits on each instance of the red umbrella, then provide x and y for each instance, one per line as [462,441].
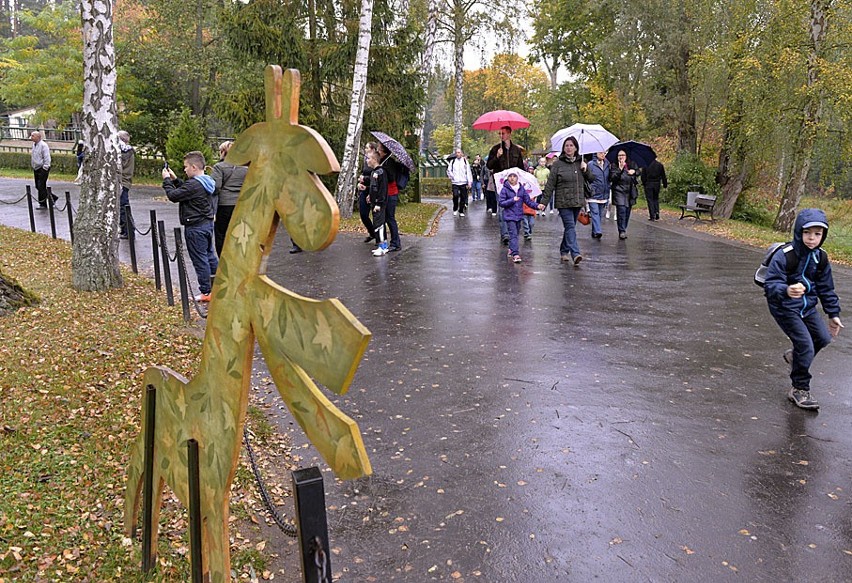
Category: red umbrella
[494,120]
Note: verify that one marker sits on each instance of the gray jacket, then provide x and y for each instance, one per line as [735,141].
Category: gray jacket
[40,155]
[229,180]
[128,165]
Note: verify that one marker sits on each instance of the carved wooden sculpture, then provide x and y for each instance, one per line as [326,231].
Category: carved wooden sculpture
[301,339]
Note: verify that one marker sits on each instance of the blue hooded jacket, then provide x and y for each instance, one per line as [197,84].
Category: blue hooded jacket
[819,285]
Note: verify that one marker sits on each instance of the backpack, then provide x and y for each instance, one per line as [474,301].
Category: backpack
[402,177]
[792,262]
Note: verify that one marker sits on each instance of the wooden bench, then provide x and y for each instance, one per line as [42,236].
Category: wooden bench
[704,203]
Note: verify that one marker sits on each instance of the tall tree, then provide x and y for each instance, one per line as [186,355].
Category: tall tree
[94,260]
[425,68]
[349,169]
[811,116]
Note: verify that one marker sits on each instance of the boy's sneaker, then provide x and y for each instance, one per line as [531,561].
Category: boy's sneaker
[202,298]
[803,399]
[461,214]
[788,357]
[516,259]
[577,259]
[455,213]
[380,250]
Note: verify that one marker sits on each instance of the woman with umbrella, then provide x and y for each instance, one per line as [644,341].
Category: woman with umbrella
[566,184]
[624,192]
[391,168]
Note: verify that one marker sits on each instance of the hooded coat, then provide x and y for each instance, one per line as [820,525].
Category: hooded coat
[817,279]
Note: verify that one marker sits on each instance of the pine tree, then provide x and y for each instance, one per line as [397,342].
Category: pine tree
[186,136]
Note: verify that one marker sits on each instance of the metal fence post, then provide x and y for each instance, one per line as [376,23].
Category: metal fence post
[149,553]
[195,550]
[70,215]
[184,291]
[131,239]
[50,208]
[30,205]
[167,269]
[155,248]
[309,498]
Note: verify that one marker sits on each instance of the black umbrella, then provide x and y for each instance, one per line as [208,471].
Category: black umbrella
[396,149]
[641,154]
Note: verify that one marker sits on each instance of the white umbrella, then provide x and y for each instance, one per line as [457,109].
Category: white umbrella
[591,137]
[529,181]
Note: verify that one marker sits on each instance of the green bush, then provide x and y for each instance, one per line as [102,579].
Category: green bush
[751,212]
[435,188]
[62,163]
[686,171]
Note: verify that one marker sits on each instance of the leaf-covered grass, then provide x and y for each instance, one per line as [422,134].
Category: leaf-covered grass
[70,397]
[839,242]
[413,218]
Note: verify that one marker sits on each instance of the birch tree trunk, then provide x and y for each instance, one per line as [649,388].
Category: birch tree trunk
[458,47]
[94,261]
[346,180]
[802,155]
[426,63]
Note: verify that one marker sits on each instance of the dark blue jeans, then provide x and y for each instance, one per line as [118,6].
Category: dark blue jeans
[364,210]
[569,234]
[199,245]
[123,201]
[622,217]
[809,335]
[395,243]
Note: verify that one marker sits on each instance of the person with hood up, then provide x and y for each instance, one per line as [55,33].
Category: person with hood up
[196,215]
[513,197]
[799,276]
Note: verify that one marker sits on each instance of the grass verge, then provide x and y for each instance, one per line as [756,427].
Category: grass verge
[70,397]
[413,218]
[838,245]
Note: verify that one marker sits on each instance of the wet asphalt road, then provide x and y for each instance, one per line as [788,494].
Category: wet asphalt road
[621,421]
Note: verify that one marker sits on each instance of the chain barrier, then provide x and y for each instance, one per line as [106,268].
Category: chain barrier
[15,202]
[141,234]
[201,313]
[287,528]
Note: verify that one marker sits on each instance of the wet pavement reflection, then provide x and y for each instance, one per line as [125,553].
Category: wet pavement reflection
[623,420]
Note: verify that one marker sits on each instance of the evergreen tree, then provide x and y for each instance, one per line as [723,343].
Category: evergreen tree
[186,136]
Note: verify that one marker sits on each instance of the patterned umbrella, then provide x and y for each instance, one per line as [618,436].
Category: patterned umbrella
[494,120]
[396,149]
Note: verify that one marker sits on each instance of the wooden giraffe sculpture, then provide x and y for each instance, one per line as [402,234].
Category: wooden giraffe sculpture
[299,338]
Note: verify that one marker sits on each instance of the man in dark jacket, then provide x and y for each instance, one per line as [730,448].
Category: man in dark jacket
[503,156]
[652,177]
[506,154]
[196,216]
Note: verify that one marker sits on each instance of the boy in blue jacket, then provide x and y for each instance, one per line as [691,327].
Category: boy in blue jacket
[196,216]
[797,277]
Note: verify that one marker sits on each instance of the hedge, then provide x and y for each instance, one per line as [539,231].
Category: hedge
[435,188]
[67,164]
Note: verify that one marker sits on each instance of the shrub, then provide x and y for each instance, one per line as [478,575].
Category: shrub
[435,188]
[686,171]
[746,209]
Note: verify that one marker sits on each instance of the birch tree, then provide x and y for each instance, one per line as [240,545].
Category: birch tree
[425,69]
[94,261]
[346,180]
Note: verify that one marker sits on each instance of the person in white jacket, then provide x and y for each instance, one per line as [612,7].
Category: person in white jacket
[459,174]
